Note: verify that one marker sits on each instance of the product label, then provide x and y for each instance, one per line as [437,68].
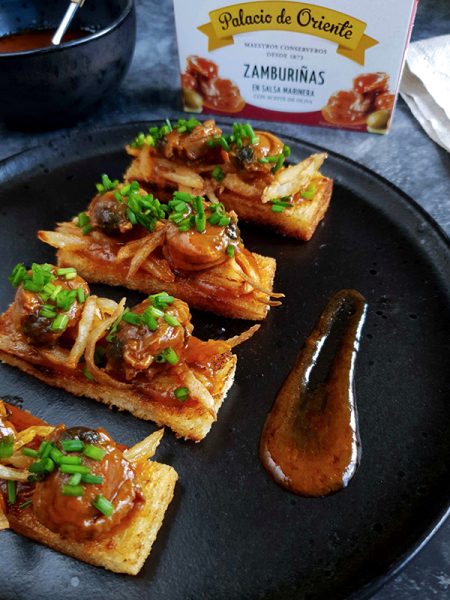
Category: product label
[337,63]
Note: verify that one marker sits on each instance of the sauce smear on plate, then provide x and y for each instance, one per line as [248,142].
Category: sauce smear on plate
[310,442]
[37,38]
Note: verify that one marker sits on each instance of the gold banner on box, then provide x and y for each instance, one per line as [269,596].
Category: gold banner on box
[346,31]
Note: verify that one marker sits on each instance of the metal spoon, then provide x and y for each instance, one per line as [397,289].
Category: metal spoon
[63,26]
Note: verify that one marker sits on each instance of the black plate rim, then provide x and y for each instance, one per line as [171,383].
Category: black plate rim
[54,143]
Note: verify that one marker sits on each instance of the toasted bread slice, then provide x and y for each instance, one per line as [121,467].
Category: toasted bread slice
[127,549]
[299,222]
[99,269]
[190,420]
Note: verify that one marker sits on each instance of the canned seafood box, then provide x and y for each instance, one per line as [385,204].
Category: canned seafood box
[333,64]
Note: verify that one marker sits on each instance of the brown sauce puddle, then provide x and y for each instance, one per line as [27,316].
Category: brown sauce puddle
[310,441]
[38,38]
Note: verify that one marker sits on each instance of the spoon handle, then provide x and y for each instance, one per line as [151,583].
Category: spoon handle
[68,16]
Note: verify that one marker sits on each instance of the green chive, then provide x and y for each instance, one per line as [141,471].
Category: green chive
[217,173]
[74,469]
[230,250]
[103,505]
[70,460]
[277,209]
[200,222]
[169,355]
[83,219]
[6,446]
[286,151]
[72,445]
[182,394]
[25,505]
[30,452]
[60,322]
[149,320]
[309,193]
[72,490]
[88,374]
[37,467]
[49,465]
[171,320]
[94,452]
[81,296]
[132,318]
[86,229]
[224,221]
[56,455]
[17,275]
[12,491]
[66,271]
[44,449]
[89,478]
[48,312]
[74,479]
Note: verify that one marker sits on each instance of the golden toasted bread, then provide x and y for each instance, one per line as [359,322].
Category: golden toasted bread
[202,292]
[191,420]
[125,550]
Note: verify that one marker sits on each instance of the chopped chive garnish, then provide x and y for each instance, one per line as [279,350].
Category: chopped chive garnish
[88,374]
[74,469]
[308,194]
[70,460]
[12,491]
[56,455]
[48,311]
[25,504]
[149,320]
[30,452]
[89,478]
[94,452]
[217,173]
[103,505]
[132,318]
[75,479]
[86,229]
[66,271]
[49,465]
[6,446]
[45,448]
[230,250]
[277,209]
[60,322]
[286,151]
[182,394]
[72,445]
[83,219]
[72,490]
[17,275]
[81,296]
[171,320]
[168,355]
[114,329]
[37,467]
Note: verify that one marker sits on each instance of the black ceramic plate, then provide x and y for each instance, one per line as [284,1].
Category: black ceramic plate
[231,532]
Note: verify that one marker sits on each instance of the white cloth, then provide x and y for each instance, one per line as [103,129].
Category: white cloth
[425,86]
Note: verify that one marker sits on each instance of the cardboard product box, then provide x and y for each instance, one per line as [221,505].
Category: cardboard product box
[336,63]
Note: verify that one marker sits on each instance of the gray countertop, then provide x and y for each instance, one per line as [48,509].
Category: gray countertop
[406,157]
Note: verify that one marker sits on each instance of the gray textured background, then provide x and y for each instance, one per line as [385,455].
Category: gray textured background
[406,157]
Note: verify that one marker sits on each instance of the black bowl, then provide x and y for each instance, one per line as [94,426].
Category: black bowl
[56,86]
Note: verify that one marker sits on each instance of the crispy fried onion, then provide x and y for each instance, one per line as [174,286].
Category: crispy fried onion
[17,459]
[61,239]
[140,250]
[145,449]
[12,474]
[199,392]
[242,337]
[243,267]
[84,327]
[291,180]
[99,374]
[178,174]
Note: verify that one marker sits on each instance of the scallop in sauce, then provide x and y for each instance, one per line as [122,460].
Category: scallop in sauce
[310,442]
